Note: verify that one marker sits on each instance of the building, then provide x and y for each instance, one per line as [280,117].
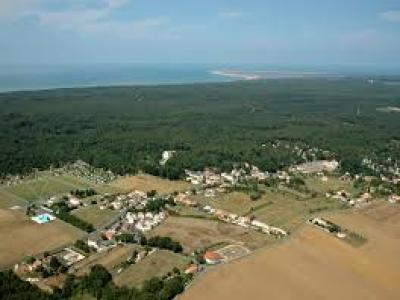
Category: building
[394,199]
[192,269]
[184,199]
[166,156]
[212,257]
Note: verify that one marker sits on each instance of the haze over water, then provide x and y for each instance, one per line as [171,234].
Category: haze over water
[35,77]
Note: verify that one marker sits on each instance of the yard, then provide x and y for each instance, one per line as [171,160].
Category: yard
[20,237]
[95,216]
[109,259]
[235,202]
[194,233]
[332,184]
[158,264]
[145,183]
[288,211]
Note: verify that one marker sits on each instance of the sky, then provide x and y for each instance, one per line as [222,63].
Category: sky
[298,32]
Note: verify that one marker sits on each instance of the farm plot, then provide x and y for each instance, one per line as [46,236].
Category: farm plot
[235,202]
[332,184]
[146,183]
[20,237]
[110,259]
[94,215]
[195,233]
[158,264]
[46,186]
[316,265]
[8,200]
[288,212]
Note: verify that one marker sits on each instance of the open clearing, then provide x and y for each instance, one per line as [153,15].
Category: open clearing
[158,264]
[316,265]
[316,184]
[94,215]
[20,237]
[146,183]
[288,211]
[8,200]
[46,186]
[235,202]
[109,259]
[195,233]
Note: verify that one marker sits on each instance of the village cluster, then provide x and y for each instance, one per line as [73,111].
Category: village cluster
[137,212]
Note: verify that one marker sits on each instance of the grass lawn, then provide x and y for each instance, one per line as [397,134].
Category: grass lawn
[109,259]
[158,263]
[144,182]
[93,215]
[235,202]
[288,211]
[333,184]
[46,186]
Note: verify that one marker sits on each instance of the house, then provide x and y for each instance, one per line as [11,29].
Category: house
[109,234]
[209,193]
[165,156]
[394,199]
[184,199]
[212,257]
[192,269]
[70,257]
[364,198]
[74,202]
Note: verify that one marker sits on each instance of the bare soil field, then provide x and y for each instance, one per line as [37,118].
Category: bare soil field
[316,265]
[20,237]
[158,263]
[8,200]
[195,233]
[145,183]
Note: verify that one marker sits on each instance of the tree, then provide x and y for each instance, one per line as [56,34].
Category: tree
[54,263]
[153,285]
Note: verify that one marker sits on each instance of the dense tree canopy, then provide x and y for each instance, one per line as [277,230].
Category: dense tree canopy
[208,125]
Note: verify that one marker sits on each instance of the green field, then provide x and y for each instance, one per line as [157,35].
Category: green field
[288,211]
[235,202]
[94,215]
[47,185]
[333,184]
[157,264]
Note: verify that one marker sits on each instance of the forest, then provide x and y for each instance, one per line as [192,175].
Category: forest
[126,128]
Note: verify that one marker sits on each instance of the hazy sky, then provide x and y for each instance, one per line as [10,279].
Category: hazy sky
[311,32]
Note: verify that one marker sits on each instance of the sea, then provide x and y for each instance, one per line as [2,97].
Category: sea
[38,77]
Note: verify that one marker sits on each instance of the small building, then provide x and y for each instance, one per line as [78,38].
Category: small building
[192,269]
[394,199]
[212,257]
[74,202]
